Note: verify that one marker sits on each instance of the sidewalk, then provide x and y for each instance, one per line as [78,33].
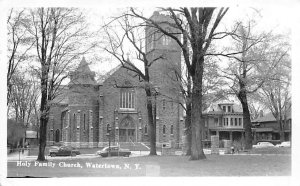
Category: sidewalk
[16,156]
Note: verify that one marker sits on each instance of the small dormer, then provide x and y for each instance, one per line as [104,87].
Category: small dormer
[227,107]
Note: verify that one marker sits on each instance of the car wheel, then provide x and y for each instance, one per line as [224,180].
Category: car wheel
[73,154]
[52,154]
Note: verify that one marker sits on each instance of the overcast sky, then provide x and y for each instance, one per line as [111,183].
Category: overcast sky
[274,17]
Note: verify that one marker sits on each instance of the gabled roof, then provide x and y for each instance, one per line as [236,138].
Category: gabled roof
[215,108]
[266,118]
[108,74]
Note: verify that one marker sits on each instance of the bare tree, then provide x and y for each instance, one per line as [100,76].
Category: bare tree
[19,43]
[60,38]
[275,94]
[251,64]
[24,95]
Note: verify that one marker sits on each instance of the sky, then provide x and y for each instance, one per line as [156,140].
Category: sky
[268,18]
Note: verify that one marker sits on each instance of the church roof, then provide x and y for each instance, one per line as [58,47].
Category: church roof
[83,74]
[83,67]
[108,74]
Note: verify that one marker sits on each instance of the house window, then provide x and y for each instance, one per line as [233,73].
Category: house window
[226,121]
[216,121]
[224,108]
[231,121]
[172,128]
[240,121]
[235,121]
[164,129]
[229,109]
[127,99]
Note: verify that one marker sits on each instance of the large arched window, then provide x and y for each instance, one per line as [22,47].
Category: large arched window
[127,99]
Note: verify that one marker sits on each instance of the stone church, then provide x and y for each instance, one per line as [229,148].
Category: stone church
[87,113]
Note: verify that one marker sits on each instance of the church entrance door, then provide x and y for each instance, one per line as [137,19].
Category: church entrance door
[127,135]
[127,130]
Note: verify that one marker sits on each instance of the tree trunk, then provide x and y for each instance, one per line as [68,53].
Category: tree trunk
[43,139]
[281,130]
[242,95]
[44,108]
[196,121]
[151,123]
[188,128]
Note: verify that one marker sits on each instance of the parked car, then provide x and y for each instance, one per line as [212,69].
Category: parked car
[263,145]
[114,151]
[284,144]
[64,151]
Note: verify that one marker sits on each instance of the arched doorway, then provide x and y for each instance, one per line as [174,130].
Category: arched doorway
[57,134]
[127,131]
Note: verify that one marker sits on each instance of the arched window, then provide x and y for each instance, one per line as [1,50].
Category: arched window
[74,119]
[83,121]
[107,128]
[127,99]
[164,129]
[146,129]
[172,128]
[57,135]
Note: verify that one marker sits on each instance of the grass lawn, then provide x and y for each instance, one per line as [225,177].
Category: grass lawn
[214,165]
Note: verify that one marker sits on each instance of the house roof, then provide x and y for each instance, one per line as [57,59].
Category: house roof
[269,117]
[215,108]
